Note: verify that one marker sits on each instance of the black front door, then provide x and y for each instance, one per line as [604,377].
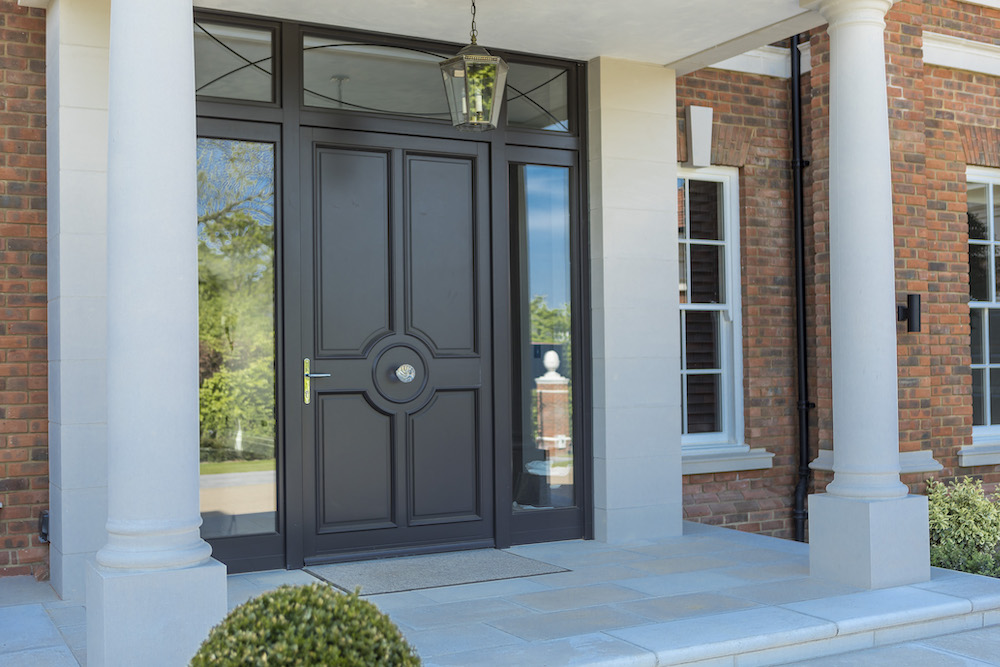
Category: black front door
[394,281]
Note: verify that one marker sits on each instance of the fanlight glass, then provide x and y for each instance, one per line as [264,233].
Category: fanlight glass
[474,82]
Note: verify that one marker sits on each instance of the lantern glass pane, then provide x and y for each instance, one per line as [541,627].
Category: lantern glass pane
[454,88]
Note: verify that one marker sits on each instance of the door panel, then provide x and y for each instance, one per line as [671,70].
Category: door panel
[397,279]
[356,460]
[442,306]
[353,231]
[439,433]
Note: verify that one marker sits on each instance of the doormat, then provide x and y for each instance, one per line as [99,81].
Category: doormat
[409,573]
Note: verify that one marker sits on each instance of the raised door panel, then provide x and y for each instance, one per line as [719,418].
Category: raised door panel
[356,462]
[353,259]
[444,441]
[441,306]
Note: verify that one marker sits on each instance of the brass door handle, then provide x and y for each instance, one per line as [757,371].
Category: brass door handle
[306,384]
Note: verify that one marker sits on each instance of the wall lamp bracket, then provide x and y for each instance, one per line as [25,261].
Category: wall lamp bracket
[910,313]
[43,527]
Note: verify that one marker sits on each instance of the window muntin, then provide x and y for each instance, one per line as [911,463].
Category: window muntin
[372,78]
[234,62]
[983,202]
[538,97]
[380,78]
[711,357]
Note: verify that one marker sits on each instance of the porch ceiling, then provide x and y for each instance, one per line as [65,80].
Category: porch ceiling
[683,34]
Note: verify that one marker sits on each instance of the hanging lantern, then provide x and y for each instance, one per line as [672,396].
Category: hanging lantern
[474,83]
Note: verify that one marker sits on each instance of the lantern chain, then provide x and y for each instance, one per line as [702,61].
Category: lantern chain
[474,32]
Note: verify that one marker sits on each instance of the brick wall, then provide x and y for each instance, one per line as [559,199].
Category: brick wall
[23,347]
[931,110]
[752,131]
[953,100]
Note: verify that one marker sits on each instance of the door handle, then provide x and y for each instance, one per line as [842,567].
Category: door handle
[406,373]
[306,384]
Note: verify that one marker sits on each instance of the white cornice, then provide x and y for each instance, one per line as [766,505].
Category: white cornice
[959,53]
[995,4]
[766,61]
[40,4]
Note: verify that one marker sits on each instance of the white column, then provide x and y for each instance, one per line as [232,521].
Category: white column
[154,591]
[864,530]
[636,346]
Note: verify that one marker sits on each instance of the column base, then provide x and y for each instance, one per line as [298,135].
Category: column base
[869,543]
[152,617]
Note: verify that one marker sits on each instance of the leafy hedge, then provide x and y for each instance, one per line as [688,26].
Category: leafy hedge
[964,527]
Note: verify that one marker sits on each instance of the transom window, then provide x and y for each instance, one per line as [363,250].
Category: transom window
[237,63]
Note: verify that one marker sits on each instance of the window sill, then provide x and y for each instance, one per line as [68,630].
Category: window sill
[922,461]
[725,459]
[983,452]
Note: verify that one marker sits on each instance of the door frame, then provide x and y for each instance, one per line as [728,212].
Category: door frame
[287,115]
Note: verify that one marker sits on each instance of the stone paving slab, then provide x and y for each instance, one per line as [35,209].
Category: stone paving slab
[50,656]
[30,627]
[618,607]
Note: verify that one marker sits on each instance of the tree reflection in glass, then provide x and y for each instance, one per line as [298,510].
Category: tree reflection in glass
[236,292]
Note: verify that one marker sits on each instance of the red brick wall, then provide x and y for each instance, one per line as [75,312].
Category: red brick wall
[928,107]
[755,109]
[953,99]
[23,348]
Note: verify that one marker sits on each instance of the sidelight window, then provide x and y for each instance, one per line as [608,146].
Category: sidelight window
[544,451]
[236,279]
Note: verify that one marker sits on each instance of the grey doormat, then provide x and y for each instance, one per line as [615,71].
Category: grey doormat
[393,575]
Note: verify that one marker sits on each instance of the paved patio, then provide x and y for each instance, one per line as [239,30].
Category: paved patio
[713,597]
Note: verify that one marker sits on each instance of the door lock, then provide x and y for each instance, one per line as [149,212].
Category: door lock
[306,385]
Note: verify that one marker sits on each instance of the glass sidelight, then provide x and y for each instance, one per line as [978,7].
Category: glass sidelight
[236,289]
[543,464]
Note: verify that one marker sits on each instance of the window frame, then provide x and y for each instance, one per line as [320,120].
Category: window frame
[731,439]
[985,449]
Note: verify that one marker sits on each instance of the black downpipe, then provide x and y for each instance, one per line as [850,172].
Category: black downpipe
[798,167]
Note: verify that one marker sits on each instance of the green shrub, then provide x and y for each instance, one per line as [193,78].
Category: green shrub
[305,625]
[964,527]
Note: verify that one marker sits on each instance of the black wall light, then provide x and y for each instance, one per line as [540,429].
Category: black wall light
[910,312]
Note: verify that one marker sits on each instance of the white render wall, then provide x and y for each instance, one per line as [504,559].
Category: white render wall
[77,89]
[636,355]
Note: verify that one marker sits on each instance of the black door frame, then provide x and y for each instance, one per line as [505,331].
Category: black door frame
[285,116]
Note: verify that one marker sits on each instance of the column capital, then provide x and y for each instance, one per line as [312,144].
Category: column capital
[841,11]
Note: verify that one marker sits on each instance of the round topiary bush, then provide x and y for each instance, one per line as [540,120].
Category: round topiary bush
[305,625]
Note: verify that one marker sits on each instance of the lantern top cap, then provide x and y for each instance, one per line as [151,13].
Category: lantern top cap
[473,53]
[475,50]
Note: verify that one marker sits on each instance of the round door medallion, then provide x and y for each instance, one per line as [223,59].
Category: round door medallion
[406,373]
[400,374]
